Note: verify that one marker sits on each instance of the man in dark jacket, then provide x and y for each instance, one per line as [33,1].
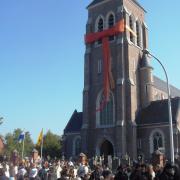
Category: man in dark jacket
[168,173]
[121,173]
[97,173]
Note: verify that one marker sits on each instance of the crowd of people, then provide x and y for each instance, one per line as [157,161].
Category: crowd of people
[62,170]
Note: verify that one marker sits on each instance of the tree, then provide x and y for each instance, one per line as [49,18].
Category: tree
[11,143]
[1,120]
[52,145]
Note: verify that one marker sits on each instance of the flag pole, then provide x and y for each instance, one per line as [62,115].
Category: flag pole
[42,146]
[23,147]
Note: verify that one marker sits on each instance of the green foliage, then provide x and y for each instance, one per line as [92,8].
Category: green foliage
[11,140]
[52,145]
[1,120]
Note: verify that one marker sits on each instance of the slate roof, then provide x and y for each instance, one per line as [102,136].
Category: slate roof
[145,61]
[99,1]
[95,2]
[161,85]
[75,123]
[157,112]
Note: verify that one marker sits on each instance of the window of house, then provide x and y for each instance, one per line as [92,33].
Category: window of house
[137,33]
[132,28]
[106,114]
[77,146]
[157,141]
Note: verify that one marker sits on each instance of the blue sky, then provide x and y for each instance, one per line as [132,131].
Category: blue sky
[42,57]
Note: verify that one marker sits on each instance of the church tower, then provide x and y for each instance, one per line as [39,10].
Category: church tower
[111,130]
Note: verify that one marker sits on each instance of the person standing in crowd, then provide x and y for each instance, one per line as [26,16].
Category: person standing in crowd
[70,163]
[158,171]
[136,173]
[168,173]
[177,172]
[83,166]
[33,172]
[6,169]
[44,171]
[21,172]
[64,174]
[2,174]
[150,171]
[58,170]
[97,173]
[107,175]
[145,175]
[121,173]
[71,173]
[12,173]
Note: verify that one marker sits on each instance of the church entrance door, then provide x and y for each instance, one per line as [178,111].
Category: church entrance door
[106,150]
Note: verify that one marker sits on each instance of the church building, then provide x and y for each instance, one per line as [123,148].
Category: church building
[125,110]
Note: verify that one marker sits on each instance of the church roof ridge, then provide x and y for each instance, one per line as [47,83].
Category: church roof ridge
[75,122]
[94,2]
[161,84]
[157,112]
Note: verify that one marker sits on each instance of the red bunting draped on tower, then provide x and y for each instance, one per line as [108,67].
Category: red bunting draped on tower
[108,81]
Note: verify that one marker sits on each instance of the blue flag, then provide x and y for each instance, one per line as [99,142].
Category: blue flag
[21,137]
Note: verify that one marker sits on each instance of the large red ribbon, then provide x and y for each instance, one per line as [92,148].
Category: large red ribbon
[108,81]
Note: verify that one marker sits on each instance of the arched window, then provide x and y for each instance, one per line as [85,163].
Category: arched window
[106,114]
[132,28]
[157,141]
[100,28]
[100,25]
[77,146]
[138,33]
[111,22]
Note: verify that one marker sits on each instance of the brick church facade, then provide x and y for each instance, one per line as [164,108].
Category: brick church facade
[135,119]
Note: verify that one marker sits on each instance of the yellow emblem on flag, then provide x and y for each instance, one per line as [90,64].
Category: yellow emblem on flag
[40,138]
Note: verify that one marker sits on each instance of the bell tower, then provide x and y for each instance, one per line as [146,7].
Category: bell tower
[112,125]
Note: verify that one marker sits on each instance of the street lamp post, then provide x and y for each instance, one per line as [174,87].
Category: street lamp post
[169,107]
